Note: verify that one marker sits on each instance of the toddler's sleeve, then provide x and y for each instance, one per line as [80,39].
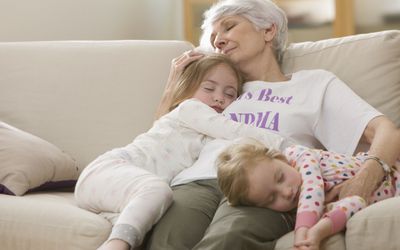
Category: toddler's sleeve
[311,202]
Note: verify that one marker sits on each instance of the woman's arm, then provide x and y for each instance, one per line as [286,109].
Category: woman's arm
[178,64]
[384,138]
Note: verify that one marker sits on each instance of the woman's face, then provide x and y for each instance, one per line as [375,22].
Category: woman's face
[238,38]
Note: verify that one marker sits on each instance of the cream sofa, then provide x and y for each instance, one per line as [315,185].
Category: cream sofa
[85,97]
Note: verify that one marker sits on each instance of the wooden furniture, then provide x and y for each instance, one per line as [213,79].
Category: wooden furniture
[343,23]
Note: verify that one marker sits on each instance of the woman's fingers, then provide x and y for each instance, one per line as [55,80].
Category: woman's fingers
[179,63]
[333,194]
[183,60]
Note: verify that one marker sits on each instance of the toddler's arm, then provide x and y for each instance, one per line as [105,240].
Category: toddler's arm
[311,202]
[340,212]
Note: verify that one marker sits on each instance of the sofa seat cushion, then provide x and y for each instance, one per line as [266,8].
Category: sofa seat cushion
[375,227]
[49,221]
[334,242]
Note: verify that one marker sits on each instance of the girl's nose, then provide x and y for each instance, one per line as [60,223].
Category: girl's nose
[287,192]
[219,98]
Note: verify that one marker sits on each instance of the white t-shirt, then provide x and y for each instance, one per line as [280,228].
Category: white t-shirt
[314,108]
[176,139]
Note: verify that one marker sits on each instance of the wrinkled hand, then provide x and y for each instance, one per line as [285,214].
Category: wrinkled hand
[364,183]
[333,194]
[179,63]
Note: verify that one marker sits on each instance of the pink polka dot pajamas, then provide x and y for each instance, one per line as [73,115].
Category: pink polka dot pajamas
[321,171]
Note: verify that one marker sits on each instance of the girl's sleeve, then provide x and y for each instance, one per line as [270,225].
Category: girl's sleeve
[341,211]
[343,118]
[311,201]
[202,118]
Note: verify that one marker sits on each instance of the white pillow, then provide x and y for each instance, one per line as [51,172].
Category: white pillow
[29,163]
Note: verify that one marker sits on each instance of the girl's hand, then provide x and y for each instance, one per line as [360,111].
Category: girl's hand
[311,240]
[300,236]
[308,244]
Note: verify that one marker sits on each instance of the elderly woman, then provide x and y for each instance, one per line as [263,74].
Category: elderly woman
[312,107]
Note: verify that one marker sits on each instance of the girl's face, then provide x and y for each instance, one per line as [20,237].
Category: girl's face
[218,88]
[238,38]
[274,184]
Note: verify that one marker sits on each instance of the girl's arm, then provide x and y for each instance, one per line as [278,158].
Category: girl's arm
[178,64]
[384,138]
[200,117]
[332,222]
[311,202]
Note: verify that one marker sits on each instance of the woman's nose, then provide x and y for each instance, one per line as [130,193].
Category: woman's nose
[219,42]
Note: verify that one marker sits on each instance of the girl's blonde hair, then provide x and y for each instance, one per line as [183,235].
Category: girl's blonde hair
[235,162]
[194,74]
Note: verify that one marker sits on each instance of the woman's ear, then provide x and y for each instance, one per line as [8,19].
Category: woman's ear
[270,33]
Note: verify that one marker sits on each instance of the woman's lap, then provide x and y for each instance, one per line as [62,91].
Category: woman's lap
[245,228]
[184,223]
[198,217]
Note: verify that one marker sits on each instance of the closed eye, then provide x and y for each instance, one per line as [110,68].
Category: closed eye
[229,27]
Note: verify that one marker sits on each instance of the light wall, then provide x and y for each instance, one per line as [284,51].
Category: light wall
[33,20]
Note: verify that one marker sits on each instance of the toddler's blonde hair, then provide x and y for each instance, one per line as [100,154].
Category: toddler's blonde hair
[233,164]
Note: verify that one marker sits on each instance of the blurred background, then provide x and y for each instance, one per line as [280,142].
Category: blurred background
[309,20]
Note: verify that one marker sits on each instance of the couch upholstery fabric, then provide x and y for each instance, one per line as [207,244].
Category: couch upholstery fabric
[87,97]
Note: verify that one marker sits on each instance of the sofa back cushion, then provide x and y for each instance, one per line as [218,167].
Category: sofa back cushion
[86,97]
[368,63]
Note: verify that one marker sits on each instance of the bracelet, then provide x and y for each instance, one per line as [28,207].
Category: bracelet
[385,166]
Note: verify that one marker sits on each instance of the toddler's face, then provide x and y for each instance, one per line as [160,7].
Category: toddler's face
[274,184]
[219,88]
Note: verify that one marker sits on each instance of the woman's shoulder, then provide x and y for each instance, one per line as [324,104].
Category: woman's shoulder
[313,73]
[313,77]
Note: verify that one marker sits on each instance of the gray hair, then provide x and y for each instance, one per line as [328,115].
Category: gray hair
[262,13]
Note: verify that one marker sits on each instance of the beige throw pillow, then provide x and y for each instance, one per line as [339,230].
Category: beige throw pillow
[28,163]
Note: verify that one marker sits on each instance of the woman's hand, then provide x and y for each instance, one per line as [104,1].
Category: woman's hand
[364,183]
[384,137]
[333,194]
[178,64]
